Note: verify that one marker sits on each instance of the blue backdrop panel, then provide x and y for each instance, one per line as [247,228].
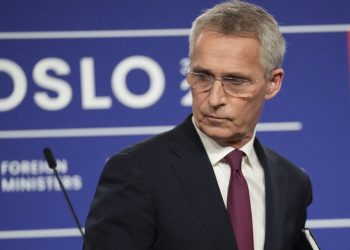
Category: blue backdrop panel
[88,95]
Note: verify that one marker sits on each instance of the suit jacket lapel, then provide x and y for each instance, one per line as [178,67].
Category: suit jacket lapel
[276,198]
[195,173]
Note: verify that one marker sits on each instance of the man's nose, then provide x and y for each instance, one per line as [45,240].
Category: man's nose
[217,96]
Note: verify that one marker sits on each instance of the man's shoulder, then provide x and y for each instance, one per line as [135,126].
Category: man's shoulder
[151,155]
[156,143]
[159,144]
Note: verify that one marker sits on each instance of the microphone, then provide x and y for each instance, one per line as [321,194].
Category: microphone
[310,239]
[52,164]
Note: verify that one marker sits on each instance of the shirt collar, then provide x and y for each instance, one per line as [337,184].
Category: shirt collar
[216,152]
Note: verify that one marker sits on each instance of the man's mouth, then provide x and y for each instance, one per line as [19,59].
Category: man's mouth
[214,118]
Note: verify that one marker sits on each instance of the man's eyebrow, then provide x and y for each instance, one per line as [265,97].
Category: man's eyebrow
[200,69]
[235,75]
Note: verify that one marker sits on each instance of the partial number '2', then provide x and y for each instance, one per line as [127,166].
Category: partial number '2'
[186,100]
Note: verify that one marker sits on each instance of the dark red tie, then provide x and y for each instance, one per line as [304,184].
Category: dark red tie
[238,203]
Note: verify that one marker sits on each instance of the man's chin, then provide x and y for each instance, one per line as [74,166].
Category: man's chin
[222,135]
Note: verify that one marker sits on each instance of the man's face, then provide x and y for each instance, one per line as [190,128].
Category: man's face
[227,119]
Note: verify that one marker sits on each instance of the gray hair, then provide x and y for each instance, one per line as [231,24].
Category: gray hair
[241,18]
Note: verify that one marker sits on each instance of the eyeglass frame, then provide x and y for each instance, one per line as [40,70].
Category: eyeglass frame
[212,79]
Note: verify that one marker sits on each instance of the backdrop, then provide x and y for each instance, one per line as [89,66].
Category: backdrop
[90,78]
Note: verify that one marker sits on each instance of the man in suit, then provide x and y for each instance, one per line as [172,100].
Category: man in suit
[176,191]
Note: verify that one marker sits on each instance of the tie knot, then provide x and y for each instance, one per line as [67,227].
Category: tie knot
[234,159]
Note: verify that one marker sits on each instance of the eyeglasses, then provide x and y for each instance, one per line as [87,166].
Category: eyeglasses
[234,86]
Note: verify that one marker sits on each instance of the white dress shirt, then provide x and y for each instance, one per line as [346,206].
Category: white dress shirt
[252,172]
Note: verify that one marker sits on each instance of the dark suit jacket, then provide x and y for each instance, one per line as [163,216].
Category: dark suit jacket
[163,194]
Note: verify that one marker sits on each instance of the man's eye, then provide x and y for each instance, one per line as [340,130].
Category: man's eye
[236,81]
[203,77]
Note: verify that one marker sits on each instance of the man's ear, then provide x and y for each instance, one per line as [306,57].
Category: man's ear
[274,83]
